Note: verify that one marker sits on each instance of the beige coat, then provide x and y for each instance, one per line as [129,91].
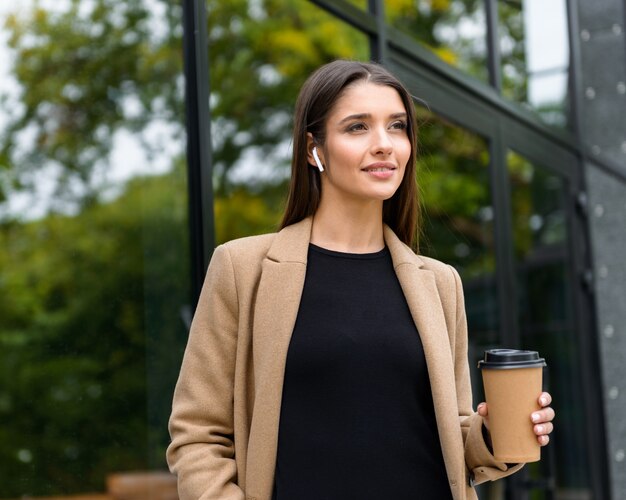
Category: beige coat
[224,423]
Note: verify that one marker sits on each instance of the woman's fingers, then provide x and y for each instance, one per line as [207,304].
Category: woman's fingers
[545,399]
[543,440]
[482,410]
[541,416]
[543,429]
[543,420]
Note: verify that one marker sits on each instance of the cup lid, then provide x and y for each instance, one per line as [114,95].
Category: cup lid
[502,359]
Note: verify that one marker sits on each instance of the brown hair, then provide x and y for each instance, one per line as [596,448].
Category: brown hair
[317,97]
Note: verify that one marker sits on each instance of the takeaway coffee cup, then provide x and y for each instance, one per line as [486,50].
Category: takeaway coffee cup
[512,381]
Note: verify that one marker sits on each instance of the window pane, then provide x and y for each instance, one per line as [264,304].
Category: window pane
[535,56]
[93,244]
[359,3]
[257,68]
[546,322]
[453,175]
[455,30]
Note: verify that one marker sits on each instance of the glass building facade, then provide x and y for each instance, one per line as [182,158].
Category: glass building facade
[137,135]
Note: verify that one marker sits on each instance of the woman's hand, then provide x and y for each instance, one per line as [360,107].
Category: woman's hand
[542,419]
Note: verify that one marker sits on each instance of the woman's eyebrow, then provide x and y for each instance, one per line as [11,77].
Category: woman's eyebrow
[365,116]
[358,116]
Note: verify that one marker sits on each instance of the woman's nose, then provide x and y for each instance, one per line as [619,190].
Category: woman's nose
[382,143]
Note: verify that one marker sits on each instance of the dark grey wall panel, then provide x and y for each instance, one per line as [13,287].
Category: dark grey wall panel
[607,209]
[602,62]
[601,13]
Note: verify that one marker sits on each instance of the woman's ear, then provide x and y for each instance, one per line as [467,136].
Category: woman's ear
[314,153]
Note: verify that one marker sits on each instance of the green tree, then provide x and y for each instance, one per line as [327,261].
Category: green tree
[75,341]
[84,73]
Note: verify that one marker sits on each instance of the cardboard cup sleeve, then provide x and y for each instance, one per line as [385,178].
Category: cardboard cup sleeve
[512,380]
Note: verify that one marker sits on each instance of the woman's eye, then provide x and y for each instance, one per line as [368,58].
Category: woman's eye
[356,127]
[400,125]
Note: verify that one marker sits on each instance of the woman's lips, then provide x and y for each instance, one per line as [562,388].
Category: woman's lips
[380,170]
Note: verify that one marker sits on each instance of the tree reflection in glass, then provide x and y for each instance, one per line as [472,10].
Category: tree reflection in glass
[455,186]
[362,4]
[93,241]
[455,30]
[453,176]
[256,68]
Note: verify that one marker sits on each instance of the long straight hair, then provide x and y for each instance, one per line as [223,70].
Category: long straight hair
[316,99]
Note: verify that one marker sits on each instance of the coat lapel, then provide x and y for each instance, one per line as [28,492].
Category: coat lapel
[275,312]
[422,296]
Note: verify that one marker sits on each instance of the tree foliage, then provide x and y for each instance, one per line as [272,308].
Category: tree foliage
[439,25]
[84,73]
[86,300]
[259,57]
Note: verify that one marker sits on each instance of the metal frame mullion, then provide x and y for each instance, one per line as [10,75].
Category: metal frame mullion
[198,123]
[378,42]
[505,264]
[574,84]
[494,60]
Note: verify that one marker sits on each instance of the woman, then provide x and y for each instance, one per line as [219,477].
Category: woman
[328,360]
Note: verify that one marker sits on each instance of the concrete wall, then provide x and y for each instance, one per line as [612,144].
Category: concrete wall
[608,239]
[603,130]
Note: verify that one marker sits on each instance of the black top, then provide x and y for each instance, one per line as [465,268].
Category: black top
[357,419]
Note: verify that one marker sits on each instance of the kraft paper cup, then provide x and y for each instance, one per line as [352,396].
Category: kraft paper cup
[512,381]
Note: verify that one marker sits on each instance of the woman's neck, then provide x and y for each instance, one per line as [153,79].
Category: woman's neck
[352,228]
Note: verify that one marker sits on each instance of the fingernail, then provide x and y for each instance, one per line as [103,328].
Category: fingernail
[535,417]
[543,401]
[540,429]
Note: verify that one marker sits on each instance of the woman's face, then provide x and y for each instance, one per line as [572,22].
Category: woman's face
[367,147]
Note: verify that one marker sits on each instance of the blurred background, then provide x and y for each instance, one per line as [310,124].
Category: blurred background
[135,135]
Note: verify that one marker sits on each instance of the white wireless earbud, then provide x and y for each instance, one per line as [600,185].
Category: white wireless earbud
[317,160]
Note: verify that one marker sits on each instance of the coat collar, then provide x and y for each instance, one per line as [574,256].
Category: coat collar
[291,244]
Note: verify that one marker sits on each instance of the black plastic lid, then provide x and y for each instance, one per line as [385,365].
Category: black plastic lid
[502,359]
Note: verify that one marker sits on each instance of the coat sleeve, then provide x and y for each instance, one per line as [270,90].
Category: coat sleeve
[478,458]
[202,451]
